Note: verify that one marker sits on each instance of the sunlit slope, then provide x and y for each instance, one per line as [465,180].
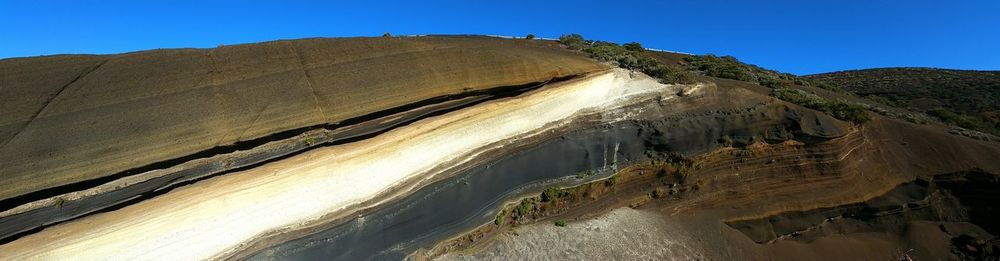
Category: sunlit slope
[213,218]
[73,118]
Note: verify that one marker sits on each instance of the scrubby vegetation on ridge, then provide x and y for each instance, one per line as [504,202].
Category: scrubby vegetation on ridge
[630,56]
[633,56]
[729,67]
[843,110]
[967,99]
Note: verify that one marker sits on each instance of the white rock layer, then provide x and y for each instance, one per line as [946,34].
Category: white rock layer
[213,217]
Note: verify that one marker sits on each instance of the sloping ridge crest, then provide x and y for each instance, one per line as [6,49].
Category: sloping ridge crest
[72,118]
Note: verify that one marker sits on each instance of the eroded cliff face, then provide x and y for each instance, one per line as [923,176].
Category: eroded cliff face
[69,119]
[227,213]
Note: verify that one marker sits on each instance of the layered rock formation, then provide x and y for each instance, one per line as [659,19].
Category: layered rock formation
[422,147]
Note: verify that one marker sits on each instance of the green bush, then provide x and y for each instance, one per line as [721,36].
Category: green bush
[954,118]
[499,220]
[723,67]
[610,52]
[573,41]
[731,68]
[550,194]
[560,223]
[848,111]
[634,47]
[530,37]
[630,56]
[526,207]
[838,109]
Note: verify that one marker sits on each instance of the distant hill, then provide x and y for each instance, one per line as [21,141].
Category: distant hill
[969,99]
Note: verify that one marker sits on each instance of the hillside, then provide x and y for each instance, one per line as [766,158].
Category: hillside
[969,99]
[471,147]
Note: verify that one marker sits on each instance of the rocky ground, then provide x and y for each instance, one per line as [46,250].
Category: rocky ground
[622,234]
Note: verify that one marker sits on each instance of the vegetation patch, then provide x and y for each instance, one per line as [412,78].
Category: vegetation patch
[59,202]
[729,67]
[499,219]
[552,193]
[963,98]
[838,109]
[630,56]
[633,56]
[666,175]
[527,206]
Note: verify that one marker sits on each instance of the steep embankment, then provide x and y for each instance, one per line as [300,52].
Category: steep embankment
[71,119]
[221,215]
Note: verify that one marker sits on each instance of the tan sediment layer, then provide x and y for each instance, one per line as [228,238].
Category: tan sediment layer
[71,118]
[211,218]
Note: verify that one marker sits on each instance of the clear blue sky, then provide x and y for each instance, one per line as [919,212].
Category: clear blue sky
[800,37]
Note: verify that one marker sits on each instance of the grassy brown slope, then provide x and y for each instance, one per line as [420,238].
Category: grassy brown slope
[75,118]
[970,99]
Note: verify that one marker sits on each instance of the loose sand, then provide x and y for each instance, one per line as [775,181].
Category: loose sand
[212,218]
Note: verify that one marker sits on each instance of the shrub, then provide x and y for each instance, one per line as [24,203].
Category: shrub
[848,111]
[560,223]
[771,81]
[59,202]
[499,220]
[838,109]
[609,52]
[530,37]
[573,41]
[387,35]
[723,67]
[669,75]
[526,207]
[550,194]
[630,56]
[954,118]
[634,47]
[659,192]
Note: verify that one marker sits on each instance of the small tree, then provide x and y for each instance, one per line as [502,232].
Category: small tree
[387,35]
[550,194]
[634,46]
[573,41]
[530,37]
